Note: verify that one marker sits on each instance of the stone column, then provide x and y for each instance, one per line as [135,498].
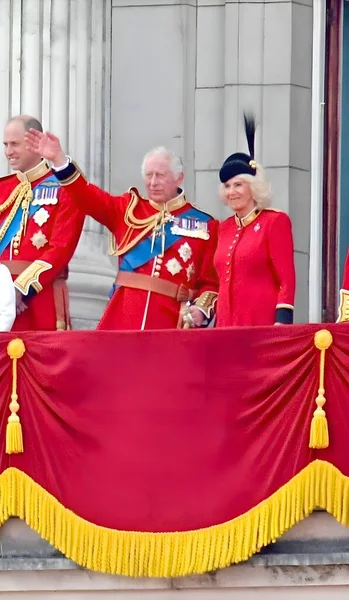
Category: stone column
[257,55]
[153,85]
[55,65]
[184,72]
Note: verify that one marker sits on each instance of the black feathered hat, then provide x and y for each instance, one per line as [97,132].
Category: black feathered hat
[239,163]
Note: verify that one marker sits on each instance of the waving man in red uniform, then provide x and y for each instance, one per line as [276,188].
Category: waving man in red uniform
[39,230]
[164,244]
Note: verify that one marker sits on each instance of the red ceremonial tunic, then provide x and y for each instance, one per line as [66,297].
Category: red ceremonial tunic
[188,261]
[52,242]
[255,265]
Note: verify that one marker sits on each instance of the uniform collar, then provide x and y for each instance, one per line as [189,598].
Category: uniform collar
[171,205]
[245,221]
[35,173]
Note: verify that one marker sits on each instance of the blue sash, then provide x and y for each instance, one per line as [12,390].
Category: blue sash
[16,221]
[142,253]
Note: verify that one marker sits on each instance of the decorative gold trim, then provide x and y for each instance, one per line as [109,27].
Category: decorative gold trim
[74,176]
[35,173]
[285,306]
[173,204]
[112,244]
[343,309]
[22,196]
[174,554]
[30,276]
[206,303]
[319,436]
[14,436]
[71,179]
[146,225]
[245,221]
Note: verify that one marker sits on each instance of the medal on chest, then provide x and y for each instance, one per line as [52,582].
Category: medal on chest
[189,227]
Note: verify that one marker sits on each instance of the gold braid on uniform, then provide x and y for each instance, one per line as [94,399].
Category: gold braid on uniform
[22,195]
[145,225]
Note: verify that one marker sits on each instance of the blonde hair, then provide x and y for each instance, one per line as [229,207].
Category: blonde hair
[259,184]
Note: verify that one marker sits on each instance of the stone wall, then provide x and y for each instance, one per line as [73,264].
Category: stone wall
[311,561]
[183,72]
[55,65]
[115,77]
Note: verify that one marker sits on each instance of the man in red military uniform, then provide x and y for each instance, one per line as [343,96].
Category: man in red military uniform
[165,245]
[39,230]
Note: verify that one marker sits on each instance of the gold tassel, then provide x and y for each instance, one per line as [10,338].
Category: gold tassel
[319,437]
[14,437]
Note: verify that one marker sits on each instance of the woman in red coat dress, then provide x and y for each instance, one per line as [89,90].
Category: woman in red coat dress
[254,257]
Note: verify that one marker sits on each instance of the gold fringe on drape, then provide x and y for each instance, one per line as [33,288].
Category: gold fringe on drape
[138,554]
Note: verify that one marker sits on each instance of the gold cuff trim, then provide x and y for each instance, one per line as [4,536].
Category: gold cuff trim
[290,306]
[343,309]
[77,173]
[112,245]
[30,276]
[206,303]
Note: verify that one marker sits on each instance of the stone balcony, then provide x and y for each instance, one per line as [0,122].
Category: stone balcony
[313,556]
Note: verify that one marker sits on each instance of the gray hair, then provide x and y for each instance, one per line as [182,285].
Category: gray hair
[260,187]
[176,163]
[27,121]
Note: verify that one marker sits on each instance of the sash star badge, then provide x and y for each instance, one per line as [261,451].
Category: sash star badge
[39,239]
[173,266]
[185,252]
[41,216]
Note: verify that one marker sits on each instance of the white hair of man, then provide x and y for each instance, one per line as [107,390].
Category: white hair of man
[175,161]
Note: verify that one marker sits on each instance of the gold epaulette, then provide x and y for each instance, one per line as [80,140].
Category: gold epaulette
[112,244]
[113,249]
[343,309]
[206,303]
[133,190]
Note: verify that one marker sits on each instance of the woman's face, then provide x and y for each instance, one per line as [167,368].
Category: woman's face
[238,195]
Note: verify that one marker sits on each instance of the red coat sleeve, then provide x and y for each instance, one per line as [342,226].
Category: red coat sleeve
[95,202]
[282,256]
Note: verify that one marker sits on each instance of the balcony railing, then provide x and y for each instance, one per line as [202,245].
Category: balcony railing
[167,453]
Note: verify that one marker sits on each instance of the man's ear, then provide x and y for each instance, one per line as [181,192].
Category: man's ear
[180,179]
